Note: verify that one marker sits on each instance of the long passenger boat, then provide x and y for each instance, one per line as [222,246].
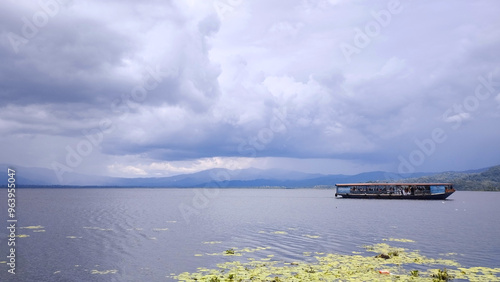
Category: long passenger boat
[417,191]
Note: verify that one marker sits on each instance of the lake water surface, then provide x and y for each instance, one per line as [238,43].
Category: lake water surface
[154,234]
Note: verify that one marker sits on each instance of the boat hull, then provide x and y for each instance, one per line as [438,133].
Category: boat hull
[396,196]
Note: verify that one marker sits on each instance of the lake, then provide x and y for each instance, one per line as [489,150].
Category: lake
[157,234]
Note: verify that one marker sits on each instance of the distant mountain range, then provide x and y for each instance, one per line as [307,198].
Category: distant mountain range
[482,179]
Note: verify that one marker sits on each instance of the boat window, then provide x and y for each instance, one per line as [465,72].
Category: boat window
[437,189]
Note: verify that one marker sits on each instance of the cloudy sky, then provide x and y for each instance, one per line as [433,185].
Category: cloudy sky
[158,87]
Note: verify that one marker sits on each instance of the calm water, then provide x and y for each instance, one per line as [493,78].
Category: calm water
[147,234]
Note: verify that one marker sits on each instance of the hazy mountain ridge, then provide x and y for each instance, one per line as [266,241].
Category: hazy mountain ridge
[479,180]
[482,179]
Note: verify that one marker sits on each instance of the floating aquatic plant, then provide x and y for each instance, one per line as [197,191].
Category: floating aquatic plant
[442,275]
[280,232]
[311,236]
[414,273]
[104,272]
[399,240]
[32,227]
[160,229]
[333,267]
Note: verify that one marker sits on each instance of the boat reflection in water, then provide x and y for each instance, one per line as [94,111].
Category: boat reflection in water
[417,191]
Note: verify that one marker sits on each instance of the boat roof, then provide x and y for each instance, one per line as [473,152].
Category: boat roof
[391,184]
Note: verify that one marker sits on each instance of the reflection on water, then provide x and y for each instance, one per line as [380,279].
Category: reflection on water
[142,234]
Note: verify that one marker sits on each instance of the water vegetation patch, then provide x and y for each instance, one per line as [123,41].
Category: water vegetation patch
[399,240]
[160,229]
[280,232]
[311,236]
[238,252]
[104,272]
[442,275]
[32,227]
[449,254]
[397,264]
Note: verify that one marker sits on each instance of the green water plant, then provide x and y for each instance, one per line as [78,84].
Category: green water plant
[384,256]
[213,279]
[360,266]
[389,255]
[394,253]
[414,273]
[442,275]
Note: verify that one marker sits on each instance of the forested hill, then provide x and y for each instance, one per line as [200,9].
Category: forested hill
[488,180]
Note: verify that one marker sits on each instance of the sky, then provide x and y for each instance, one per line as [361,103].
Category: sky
[159,88]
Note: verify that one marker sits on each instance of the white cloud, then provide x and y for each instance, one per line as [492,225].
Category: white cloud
[393,67]
[458,118]
[129,171]
[171,168]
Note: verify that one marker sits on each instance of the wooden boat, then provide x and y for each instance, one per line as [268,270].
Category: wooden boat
[417,191]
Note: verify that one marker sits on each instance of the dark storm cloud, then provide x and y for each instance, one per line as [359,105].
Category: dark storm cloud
[67,61]
[77,59]
[82,64]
